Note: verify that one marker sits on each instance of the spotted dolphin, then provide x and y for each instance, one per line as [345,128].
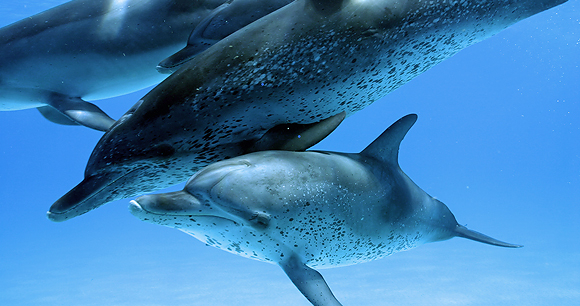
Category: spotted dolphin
[304,63]
[88,50]
[308,210]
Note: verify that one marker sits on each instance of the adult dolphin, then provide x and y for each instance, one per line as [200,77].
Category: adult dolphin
[303,63]
[87,50]
[306,210]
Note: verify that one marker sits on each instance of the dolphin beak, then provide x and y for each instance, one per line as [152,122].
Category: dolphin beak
[172,203]
[183,202]
[136,209]
[84,197]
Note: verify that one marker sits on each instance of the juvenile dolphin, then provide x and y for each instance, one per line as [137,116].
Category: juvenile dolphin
[308,61]
[307,210]
[88,50]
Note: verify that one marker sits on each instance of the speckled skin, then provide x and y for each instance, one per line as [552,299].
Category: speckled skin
[322,209]
[331,209]
[303,63]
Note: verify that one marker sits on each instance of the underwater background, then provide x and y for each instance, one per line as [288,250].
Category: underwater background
[497,140]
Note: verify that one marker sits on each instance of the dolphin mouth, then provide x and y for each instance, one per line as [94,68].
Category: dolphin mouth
[146,215]
[83,197]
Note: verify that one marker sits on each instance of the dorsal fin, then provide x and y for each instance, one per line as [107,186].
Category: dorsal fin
[386,146]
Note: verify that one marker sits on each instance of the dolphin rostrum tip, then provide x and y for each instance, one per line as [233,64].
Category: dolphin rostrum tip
[84,197]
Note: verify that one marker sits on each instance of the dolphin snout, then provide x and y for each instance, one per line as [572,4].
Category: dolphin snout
[173,203]
[136,209]
[84,197]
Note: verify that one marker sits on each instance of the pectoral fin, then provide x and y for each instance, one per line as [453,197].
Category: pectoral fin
[54,116]
[309,282]
[71,111]
[296,137]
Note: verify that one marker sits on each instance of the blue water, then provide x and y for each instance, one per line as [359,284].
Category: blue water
[498,140]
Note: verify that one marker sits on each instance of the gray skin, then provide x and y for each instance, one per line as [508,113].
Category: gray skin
[307,210]
[88,50]
[223,21]
[308,61]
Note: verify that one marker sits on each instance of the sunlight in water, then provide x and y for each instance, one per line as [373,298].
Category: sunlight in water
[114,18]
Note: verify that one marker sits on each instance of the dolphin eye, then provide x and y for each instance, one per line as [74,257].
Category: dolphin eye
[260,220]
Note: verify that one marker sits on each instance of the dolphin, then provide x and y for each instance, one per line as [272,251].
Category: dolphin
[88,50]
[308,210]
[304,63]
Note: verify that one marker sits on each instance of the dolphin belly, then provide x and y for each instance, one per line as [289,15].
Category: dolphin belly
[14,98]
[92,50]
